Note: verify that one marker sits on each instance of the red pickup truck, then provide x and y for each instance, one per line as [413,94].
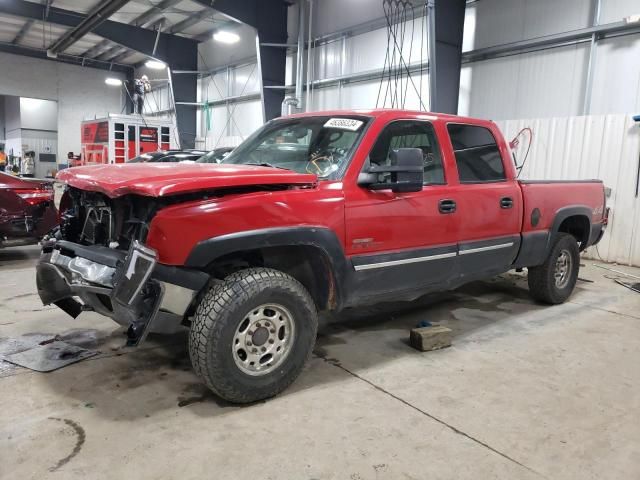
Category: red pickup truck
[313,212]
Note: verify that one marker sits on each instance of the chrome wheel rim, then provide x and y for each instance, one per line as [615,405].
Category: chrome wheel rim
[562,271]
[263,339]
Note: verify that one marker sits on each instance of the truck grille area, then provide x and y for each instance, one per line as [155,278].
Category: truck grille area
[91,218]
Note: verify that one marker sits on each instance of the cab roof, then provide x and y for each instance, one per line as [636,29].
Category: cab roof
[391,113]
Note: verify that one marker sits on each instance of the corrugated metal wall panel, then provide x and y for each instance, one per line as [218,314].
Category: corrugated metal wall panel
[158,99]
[616,78]
[333,15]
[363,95]
[616,10]
[544,83]
[598,146]
[245,79]
[505,21]
[366,52]
[228,128]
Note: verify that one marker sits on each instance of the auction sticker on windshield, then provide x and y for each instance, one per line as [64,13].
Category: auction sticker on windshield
[344,124]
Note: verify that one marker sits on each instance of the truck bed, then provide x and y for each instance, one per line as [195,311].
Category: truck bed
[553,196]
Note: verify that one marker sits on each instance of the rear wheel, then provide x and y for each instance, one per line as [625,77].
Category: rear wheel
[554,280]
[252,334]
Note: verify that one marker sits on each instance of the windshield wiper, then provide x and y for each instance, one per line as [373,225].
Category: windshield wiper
[265,164]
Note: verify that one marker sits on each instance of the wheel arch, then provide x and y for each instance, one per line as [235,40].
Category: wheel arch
[575,220]
[312,255]
[536,245]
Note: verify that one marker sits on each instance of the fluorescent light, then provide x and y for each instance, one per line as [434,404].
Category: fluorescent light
[114,82]
[155,64]
[225,36]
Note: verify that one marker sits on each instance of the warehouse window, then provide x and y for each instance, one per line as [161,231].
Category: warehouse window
[410,134]
[477,154]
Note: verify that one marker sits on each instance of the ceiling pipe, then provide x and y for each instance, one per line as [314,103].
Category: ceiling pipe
[300,54]
[310,69]
[91,21]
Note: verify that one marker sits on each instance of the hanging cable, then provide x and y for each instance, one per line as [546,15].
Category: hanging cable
[386,59]
[513,144]
[396,71]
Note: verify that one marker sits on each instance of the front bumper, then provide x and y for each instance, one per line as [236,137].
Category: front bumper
[129,287]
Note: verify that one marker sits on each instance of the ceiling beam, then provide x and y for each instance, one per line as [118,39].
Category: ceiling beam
[111,53]
[145,20]
[98,48]
[23,31]
[123,56]
[269,18]
[94,19]
[130,36]
[189,21]
[64,58]
[153,13]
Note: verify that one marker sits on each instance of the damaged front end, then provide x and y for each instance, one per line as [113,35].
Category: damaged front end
[84,267]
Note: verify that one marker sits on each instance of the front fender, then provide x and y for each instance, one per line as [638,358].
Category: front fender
[205,252]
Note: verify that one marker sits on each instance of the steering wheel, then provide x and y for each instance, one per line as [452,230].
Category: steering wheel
[320,164]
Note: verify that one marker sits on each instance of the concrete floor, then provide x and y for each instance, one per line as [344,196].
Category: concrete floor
[526,392]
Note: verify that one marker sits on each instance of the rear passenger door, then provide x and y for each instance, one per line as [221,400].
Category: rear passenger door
[489,203]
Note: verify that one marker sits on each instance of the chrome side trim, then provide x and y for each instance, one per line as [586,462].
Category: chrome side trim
[392,263]
[486,249]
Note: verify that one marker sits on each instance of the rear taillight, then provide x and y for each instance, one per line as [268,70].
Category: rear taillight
[35,196]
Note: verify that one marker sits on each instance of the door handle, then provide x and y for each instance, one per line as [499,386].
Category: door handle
[506,202]
[447,206]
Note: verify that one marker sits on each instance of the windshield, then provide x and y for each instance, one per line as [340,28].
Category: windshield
[320,145]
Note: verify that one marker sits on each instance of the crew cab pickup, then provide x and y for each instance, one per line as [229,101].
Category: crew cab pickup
[311,213]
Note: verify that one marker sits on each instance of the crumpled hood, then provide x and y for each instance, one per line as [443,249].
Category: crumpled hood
[163,179]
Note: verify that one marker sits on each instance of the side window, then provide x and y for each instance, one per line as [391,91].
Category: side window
[477,155]
[411,134]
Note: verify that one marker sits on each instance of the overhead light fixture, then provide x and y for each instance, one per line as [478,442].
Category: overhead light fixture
[225,36]
[114,82]
[155,64]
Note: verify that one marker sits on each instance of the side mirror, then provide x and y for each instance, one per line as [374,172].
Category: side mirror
[405,174]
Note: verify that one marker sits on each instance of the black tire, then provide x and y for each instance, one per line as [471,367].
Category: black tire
[219,316]
[542,281]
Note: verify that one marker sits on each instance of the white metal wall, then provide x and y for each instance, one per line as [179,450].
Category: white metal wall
[158,100]
[549,82]
[497,22]
[365,53]
[80,92]
[546,83]
[606,147]
[229,124]
[539,84]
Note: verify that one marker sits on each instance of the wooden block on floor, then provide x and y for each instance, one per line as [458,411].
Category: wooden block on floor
[430,338]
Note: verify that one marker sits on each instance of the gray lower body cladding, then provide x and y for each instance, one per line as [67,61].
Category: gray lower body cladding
[76,278]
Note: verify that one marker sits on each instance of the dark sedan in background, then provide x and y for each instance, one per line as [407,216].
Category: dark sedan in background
[170,156]
[27,211]
[215,156]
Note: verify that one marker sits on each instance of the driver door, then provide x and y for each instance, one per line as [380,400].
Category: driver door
[402,241]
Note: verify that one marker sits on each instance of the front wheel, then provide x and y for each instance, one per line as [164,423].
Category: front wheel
[252,334]
[554,280]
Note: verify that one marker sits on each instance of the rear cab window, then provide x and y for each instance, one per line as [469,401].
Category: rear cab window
[477,154]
